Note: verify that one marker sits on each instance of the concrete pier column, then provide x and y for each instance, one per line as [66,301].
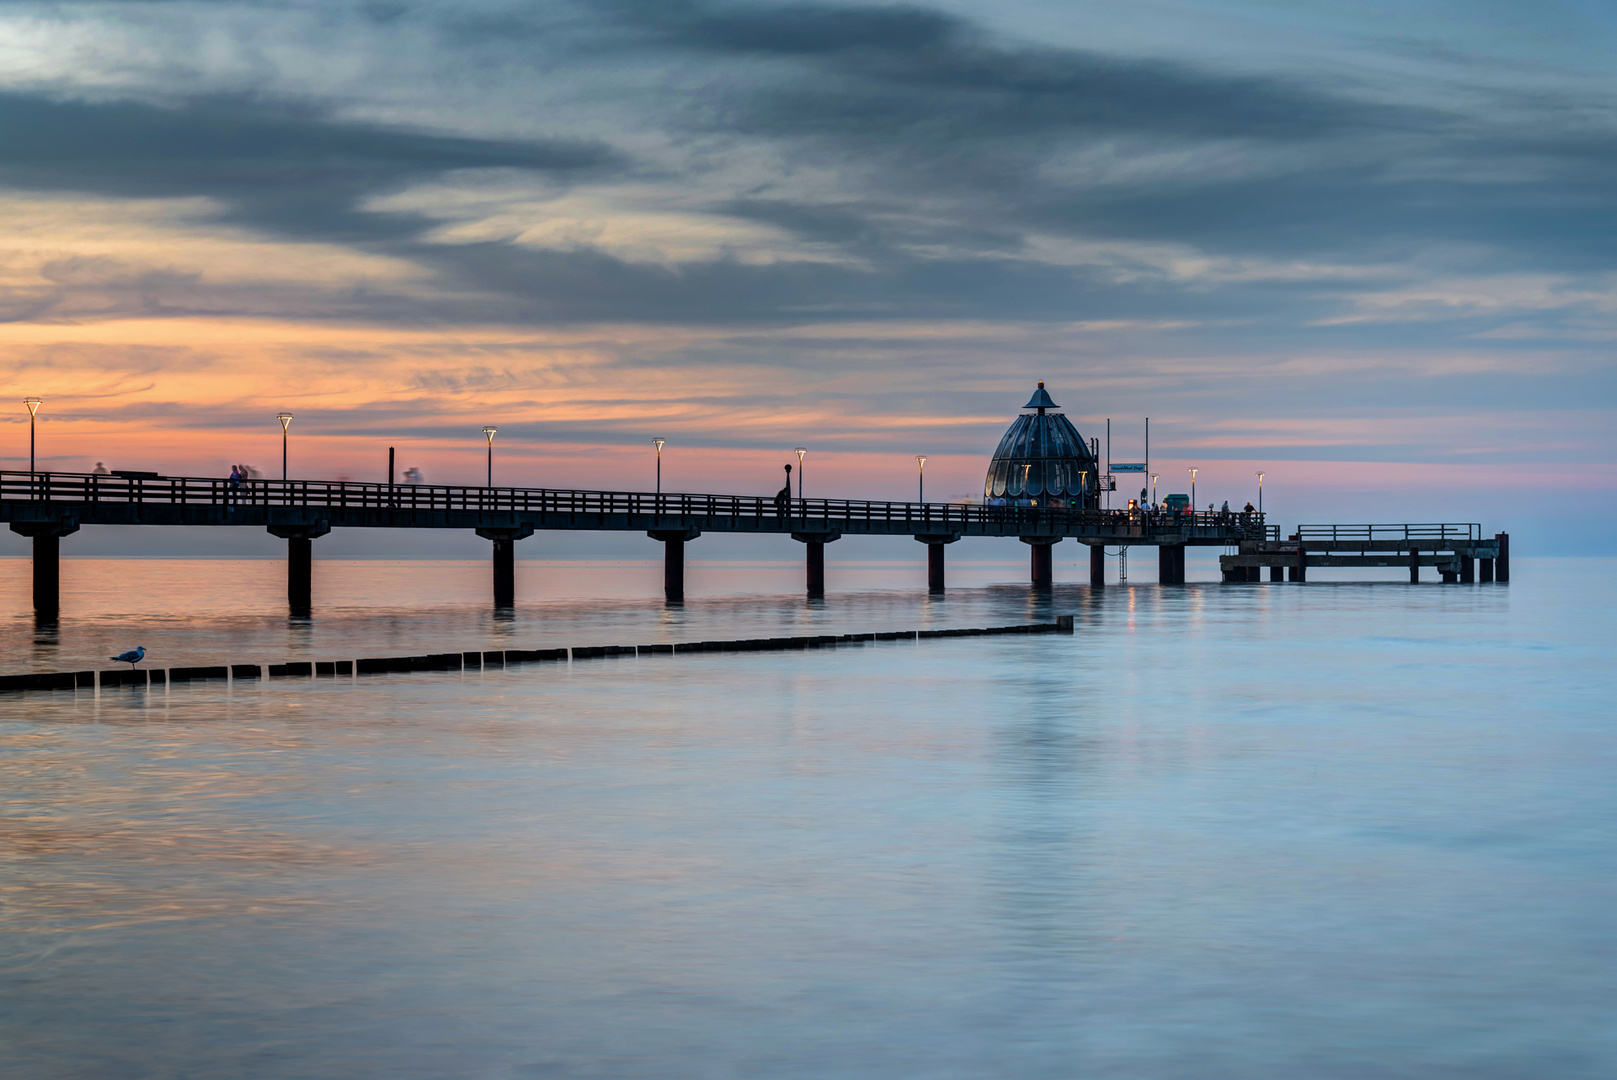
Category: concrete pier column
[505,572]
[1467,570]
[814,557]
[1277,573]
[1299,572]
[1097,566]
[505,569]
[1044,575]
[300,575]
[1171,564]
[1485,570]
[934,558]
[47,576]
[815,551]
[674,560]
[1501,565]
[47,537]
[300,539]
[674,569]
[1414,567]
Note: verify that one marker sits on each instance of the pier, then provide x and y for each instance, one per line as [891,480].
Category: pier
[1458,552]
[50,506]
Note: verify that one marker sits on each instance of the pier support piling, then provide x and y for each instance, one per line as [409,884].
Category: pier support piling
[300,563]
[1468,572]
[1501,565]
[814,545]
[934,558]
[1485,571]
[1044,575]
[1097,566]
[47,537]
[1277,573]
[674,560]
[1171,564]
[505,569]
[1414,567]
[47,577]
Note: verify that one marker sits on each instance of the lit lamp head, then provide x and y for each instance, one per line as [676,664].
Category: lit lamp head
[658,443]
[285,419]
[800,451]
[33,404]
[920,461]
[488,433]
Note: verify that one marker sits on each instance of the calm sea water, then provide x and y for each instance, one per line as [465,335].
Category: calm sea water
[1318,831]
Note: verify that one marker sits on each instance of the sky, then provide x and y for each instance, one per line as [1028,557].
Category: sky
[1367,249]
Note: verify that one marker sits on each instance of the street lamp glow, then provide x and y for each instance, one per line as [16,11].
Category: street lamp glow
[1154,488]
[1193,494]
[658,443]
[1260,494]
[920,479]
[286,421]
[800,451]
[33,404]
[488,433]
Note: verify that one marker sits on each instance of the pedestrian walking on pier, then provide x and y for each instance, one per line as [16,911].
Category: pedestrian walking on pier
[783,497]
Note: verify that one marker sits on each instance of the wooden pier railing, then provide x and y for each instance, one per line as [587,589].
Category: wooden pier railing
[91,489]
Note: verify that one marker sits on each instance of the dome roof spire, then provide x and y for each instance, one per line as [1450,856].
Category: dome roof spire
[1041,400]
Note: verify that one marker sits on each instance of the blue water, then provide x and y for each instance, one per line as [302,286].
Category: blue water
[1259,830]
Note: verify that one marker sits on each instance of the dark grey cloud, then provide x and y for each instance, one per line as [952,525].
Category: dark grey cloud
[951,147]
[903,70]
[288,169]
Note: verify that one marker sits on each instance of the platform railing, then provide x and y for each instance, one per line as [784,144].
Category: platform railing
[96,488]
[1440,532]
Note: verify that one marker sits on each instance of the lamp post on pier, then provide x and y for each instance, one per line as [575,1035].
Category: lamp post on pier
[658,443]
[33,404]
[1260,494]
[1193,495]
[488,433]
[1154,489]
[286,421]
[920,477]
[800,451]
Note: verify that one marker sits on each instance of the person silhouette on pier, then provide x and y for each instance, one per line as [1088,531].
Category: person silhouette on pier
[783,497]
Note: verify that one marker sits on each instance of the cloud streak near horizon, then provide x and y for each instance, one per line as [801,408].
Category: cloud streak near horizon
[747,224]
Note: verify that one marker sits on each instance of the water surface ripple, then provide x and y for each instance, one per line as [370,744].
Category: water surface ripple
[1331,830]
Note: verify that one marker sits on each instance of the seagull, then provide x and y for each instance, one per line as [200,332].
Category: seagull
[132,657]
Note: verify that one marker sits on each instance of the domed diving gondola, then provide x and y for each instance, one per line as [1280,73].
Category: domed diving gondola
[1043,461]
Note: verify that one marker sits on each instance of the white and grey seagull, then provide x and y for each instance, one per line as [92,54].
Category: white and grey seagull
[132,657]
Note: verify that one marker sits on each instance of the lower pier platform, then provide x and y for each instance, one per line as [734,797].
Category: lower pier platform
[1458,553]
